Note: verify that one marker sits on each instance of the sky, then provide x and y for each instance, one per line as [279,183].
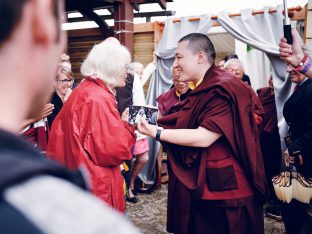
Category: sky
[199,7]
[184,8]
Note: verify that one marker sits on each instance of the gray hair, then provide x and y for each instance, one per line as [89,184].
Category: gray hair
[236,62]
[106,61]
[132,66]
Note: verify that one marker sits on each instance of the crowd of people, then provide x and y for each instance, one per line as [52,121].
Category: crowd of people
[60,144]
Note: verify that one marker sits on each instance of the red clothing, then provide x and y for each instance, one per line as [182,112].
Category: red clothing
[230,170]
[37,135]
[169,99]
[258,108]
[89,131]
[267,99]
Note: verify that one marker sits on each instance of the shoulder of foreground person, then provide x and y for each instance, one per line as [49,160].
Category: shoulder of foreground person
[56,206]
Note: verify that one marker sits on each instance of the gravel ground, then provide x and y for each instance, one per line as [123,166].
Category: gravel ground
[149,214]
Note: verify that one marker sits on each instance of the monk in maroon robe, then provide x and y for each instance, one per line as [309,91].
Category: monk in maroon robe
[217,181]
[268,132]
[176,93]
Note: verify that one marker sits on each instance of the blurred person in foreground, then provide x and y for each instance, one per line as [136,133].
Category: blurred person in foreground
[218,182]
[37,195]
[89,130]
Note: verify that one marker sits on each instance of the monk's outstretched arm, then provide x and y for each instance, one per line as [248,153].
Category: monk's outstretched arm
[199,137]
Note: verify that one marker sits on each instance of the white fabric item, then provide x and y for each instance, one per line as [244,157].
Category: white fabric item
[56,206]
[148,71]
[263,32]
[138,99]
[257,67]
[41,123]
[137,92]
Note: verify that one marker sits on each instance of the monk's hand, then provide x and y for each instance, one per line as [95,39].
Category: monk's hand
[125,115]
[291,54]
[146,129]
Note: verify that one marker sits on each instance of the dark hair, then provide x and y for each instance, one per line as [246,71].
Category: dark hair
[230,56]
[200,42]
[10,16]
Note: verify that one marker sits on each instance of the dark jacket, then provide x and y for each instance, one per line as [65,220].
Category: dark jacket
[298,115]
[58,104]
[20,161]
[124,95]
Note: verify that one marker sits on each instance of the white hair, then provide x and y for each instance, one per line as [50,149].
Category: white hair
[106,61]
[236,62]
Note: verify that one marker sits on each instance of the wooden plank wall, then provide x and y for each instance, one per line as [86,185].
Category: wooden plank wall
[79,44]
[146,38]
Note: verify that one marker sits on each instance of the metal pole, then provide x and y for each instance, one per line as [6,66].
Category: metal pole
[287,25]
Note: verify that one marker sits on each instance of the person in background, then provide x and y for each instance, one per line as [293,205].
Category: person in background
[143,73]
[177,93]
[89,130]
[63,87]
[35,130]
[218,182]
[166,101]
[236,67]
[141,148]
[298,115]
[245,77]
[38,195]
[294,55]
[221,64]
[270,146]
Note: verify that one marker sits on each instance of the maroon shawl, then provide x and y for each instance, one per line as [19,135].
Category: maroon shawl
[189,163]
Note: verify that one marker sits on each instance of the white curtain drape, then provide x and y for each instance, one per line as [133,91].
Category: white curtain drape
[263,32]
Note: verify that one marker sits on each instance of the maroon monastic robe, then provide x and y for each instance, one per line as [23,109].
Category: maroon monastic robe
[267,100]
[89,131]
[230,172]
[269,136]
[166,101]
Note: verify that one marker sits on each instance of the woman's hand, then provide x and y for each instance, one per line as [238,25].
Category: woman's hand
[47,110]
[67,94]
[146,129]
[125,115]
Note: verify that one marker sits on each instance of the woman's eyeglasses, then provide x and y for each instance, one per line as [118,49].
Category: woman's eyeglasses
[66,81]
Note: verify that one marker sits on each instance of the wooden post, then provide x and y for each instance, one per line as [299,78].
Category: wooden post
[308,24]
[123,27]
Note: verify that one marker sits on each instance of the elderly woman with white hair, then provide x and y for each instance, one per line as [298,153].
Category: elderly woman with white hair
[89,130]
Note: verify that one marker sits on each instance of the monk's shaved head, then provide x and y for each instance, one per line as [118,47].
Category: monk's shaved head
[200,42]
